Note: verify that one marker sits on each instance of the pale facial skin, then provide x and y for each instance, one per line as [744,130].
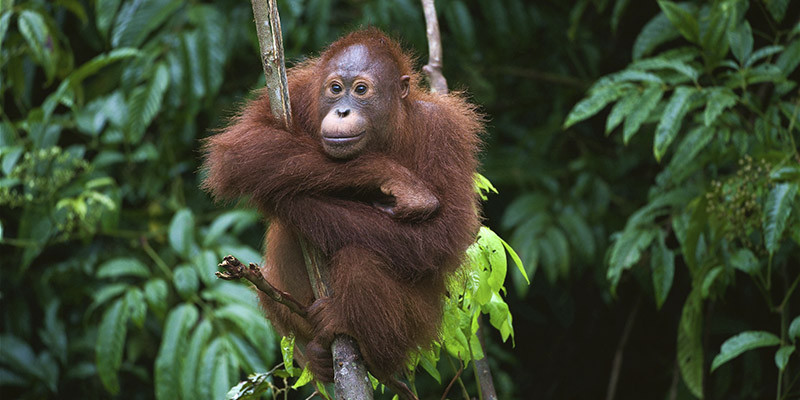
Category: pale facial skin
[357,98]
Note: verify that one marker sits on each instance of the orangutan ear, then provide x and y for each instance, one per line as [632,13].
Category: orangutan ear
[405,85]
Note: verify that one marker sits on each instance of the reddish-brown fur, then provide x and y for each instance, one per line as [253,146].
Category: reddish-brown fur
[387,274]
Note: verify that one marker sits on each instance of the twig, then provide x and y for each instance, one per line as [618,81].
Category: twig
[439,85]
[350,377]
[452,381]
[234,269]
[617,364]
[434,67]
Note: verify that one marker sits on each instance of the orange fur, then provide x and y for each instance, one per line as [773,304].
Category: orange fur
[387,275]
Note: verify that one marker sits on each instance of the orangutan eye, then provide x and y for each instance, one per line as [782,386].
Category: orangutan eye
[336,88]
[361,89]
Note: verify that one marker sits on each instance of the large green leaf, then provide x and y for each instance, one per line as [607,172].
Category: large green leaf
[662,263]
[622,109]
[742,342]
[5,21]
[110,343]
[718,100]
[682,19]
[40,41]
[741,41]
[123,266]
[657,31]
[713,37]
[777,8]
[690,343]
[794,329]
[197,344]
[186,281]
[595,102]
[146,102]
[105,11]
[138,18]
[648,102]
[776,212]
[181,232]
[171,354]
[671,120]
[782,357]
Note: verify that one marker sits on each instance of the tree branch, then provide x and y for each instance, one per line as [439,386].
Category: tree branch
[236,270]
[439,85]
[434,67]
[350,374]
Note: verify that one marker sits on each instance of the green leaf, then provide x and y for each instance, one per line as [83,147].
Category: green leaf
[305,377]
[682,163]
[92,66]
[794,329]
[744,260]
[517,261]
[649,100]
[197,344]
[662,264]
[622,109]
[172,351]
[777,8]
[155,292]
[208,379]
[205,264]
[671,120]
[742,342]
[713,39]
[245,353]
[34,29]
[119,267]
[790,58]
[718,100]
[138,18]
[594,103]
[578,231]
[782,357]
[238,219]
[19,356]
[5,21]
[110,342]
[181,232]
[657,31]
[627,250]
[105,10]
[146,102]
[137,306]
[708,281]
[741,41]
[776,212]
[763,52]
[287,352]
[690,343]
[186,281]
[682,19]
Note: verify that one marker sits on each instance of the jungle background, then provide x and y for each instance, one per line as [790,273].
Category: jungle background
[645,154]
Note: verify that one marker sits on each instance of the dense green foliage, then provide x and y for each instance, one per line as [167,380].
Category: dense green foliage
[672,246]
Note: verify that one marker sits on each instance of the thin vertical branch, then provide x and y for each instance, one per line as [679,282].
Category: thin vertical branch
[350,374]
[439,85]
[434,67]
[270,41]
